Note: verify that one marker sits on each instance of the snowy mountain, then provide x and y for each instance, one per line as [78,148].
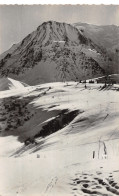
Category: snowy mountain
[107,37]
[54,52]
[61,137]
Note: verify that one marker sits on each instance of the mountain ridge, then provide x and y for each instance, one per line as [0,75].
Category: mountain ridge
[105,36]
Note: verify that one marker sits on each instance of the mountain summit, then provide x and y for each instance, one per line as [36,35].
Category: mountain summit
[54,52]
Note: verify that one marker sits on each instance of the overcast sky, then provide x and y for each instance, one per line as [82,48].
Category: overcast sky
[18,21]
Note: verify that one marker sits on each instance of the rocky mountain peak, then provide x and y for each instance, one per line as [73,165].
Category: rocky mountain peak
[54,52]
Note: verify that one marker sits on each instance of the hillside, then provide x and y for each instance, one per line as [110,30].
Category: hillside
[54,52]
[63,133]
[107,37]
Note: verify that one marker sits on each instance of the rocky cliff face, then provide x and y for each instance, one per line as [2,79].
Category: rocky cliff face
[54,52]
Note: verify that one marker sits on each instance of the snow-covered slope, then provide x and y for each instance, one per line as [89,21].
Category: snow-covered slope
[8,83]
[54,52]
[72,135]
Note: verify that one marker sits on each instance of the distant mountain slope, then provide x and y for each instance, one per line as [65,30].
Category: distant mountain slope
[54,52]
[106,37]
[10,51]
